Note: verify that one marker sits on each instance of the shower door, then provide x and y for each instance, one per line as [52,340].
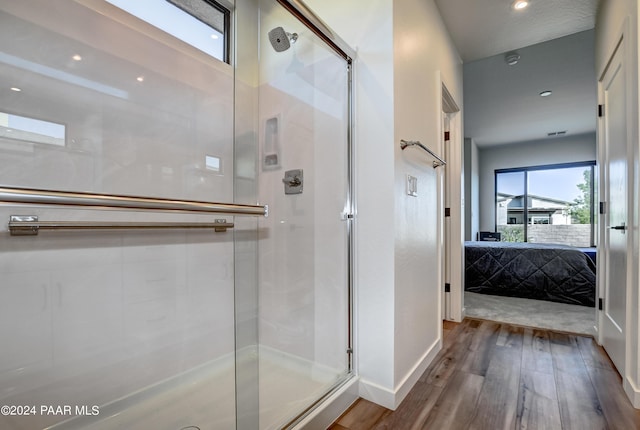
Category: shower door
[115,329]
[304,257]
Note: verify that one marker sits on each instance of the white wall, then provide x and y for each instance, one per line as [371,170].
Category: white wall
[471,189]
[424,58]
[549,151]
[403,52]
[616,18]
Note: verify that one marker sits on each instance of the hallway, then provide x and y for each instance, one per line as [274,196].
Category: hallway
[492,375]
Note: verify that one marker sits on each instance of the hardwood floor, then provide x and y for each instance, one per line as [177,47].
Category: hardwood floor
[493,375]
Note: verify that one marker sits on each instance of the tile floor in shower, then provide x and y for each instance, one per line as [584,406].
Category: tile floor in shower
[204,398]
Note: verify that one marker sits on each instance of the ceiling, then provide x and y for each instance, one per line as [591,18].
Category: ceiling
[555,41]
[482,28]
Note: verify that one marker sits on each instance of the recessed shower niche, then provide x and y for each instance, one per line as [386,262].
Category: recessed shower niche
[271,144]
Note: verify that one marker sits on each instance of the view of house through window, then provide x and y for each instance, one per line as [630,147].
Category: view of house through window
[546,204]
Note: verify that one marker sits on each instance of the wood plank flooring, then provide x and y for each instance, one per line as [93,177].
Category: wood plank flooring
[492,376]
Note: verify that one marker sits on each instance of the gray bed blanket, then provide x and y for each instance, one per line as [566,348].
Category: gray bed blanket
[557,273]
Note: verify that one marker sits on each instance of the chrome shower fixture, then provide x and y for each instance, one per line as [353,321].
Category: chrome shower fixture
[281,40]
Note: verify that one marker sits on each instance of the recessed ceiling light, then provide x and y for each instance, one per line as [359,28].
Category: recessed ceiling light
[77,57]
[545,93]
[520,4]
[214,36]
[140,78]
[16,89]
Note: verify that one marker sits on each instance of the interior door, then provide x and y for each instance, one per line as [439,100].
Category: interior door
[616,237]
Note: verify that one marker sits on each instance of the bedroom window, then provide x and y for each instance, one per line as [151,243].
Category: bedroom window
[546,204]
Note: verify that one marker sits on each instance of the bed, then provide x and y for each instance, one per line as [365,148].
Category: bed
[556,273]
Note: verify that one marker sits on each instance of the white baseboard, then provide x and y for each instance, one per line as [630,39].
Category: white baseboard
[391,399]
[403,388]
[632,392]
[377,394]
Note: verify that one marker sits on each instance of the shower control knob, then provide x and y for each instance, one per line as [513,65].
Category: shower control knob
[293,181]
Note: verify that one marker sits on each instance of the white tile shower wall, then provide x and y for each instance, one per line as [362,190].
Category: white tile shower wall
[86,318]
[62,325]
[330,235]
[286,263]
[150,139]
[303,258]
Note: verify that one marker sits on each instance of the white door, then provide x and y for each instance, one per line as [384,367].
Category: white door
[613,327]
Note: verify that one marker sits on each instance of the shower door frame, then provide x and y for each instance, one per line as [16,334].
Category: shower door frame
[306,16]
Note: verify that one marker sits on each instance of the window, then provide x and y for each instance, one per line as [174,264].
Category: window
[555,200]
[26,129]
[213,163]
[209,32]
[540,220]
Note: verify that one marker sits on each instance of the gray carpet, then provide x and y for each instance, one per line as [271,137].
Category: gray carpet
[533,313]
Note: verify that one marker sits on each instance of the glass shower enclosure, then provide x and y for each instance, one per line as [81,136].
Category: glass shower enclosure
[175,180]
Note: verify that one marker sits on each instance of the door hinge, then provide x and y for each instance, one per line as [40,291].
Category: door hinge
[447,136]
[447,211]
[600,304]
[447,288]
[603,208]
[600,111]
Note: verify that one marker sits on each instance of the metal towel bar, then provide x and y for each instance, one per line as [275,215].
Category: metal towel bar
[438,163]
[21,225]
[112,201]
[28,225]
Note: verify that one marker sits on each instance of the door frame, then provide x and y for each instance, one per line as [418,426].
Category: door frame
[453,224]
[632,308]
